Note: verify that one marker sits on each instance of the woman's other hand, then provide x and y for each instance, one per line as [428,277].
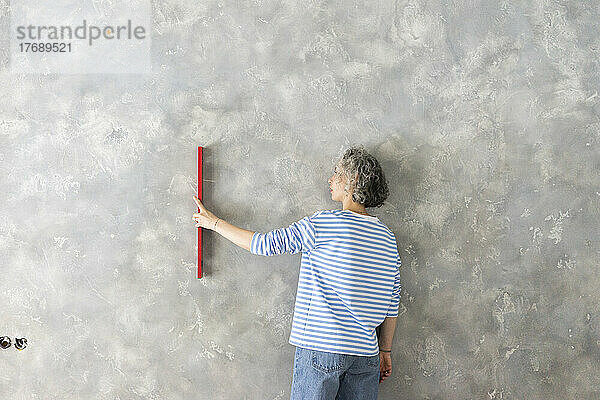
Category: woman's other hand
[204,219]
[385,366]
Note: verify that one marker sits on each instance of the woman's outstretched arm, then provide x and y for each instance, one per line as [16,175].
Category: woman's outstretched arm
[237,235]
[207,220]
[299,236]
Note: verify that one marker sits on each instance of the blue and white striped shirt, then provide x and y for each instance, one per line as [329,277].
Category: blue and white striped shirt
[349,279]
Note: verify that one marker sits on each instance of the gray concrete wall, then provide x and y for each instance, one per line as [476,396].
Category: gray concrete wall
[484,115]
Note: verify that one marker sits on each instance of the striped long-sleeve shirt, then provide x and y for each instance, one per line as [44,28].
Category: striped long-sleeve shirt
[349,279]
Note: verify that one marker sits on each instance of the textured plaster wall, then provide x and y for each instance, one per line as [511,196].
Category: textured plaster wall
[484,115]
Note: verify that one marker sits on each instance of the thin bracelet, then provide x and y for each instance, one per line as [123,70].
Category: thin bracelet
[215,227]
[385,351]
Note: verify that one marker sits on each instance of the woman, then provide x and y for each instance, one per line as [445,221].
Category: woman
[349,283]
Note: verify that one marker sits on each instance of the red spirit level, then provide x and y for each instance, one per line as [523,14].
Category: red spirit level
[199,198]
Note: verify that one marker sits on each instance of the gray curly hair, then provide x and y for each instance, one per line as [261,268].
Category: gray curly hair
[364,173]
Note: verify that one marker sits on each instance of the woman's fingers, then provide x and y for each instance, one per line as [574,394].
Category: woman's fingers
[199,203]
[384,375]
[200,206]
[204,218]
[201,218]
[203,209]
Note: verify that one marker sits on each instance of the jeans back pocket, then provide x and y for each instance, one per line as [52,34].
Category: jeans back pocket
[373,361]
[327,362]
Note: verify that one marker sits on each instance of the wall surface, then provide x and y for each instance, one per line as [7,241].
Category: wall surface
[483,114]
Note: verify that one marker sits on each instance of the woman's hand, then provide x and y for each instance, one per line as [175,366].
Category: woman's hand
[204,219]
[385,366]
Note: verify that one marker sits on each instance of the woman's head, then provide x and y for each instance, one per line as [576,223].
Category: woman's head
[359,174]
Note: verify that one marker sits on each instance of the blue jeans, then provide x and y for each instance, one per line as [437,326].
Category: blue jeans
[331,376]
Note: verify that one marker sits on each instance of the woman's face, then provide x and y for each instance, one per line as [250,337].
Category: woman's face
[337,182]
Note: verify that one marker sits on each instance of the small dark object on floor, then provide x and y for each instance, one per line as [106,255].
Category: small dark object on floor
[4,342]
[20,343]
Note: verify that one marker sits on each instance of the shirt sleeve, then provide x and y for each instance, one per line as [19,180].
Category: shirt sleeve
[395,303]
[299,236]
